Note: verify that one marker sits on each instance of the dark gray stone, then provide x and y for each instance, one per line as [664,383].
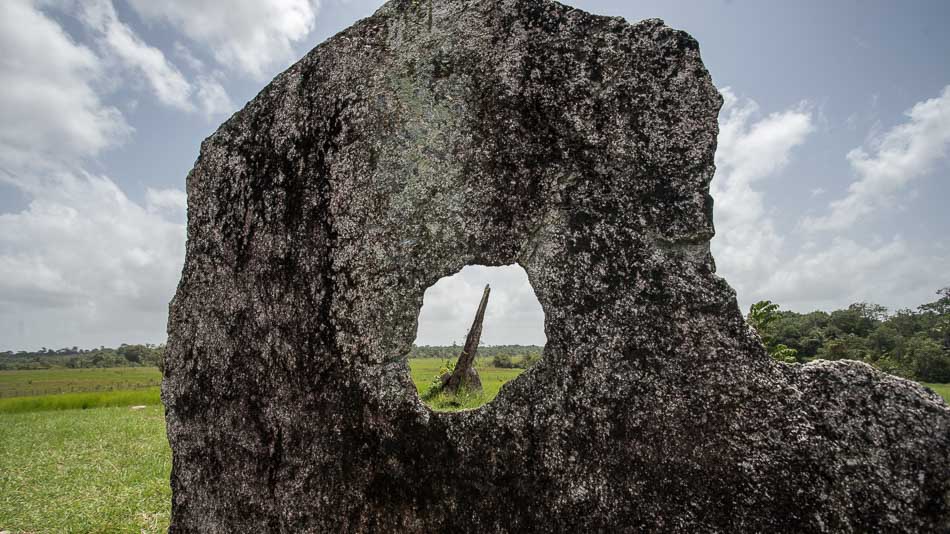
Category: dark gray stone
[465,377]
[434,135]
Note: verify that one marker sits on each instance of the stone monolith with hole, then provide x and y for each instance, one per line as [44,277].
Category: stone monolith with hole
[438,134]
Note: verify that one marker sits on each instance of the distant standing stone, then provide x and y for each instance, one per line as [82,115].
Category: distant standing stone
[465,376]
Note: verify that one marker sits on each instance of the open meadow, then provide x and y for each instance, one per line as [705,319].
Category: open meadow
[99,470]
[106,469]
[50,381]
[86,461]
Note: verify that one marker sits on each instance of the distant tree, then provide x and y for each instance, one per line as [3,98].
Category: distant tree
[870,312]
[72,357]
[762,314]
[502,361]
[939,313]
[848,347]
[811,344]
[942,330]
[930,363]
[852,321]
[940,306]
[528,360]
[884,339]
[156,357]
[784,354]
[133,353]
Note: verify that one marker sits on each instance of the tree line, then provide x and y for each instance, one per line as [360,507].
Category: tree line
[910,343]
[484,351]
[125,355]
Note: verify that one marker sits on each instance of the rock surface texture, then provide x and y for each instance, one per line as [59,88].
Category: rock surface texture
[438,134]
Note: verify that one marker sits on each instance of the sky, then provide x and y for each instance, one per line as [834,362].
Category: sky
[832,170]
[513,315]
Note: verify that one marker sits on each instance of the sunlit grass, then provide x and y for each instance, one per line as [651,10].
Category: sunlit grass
[80,401]
[425,370]
[107,469]
[101,470]
[941,389]
[47,381]
[95,383]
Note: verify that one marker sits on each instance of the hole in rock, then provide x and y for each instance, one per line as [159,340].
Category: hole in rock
[510,340]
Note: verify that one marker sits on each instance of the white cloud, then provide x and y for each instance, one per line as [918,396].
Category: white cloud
[213,98]
[751,149]
[84,265]
[513,314]
[184,53]
[754,256]
[165,80]
[250,36]
[48,100]
[121,53]
[884,168]
[173,201]
[891,272]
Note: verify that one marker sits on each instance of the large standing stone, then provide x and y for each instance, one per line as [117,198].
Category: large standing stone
[438,134]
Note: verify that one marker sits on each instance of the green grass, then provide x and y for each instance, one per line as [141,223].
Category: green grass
[107,469]
[48,381]
[43,390]
[942,389]
[102,470]
[424,370]
[80,401]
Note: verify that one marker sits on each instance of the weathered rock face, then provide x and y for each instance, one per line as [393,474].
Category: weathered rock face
[434,135]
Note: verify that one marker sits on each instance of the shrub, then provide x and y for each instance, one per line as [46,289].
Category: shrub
[503,361]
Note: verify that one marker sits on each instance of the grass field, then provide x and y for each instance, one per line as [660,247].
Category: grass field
[942,389]
[424,370]
[48,381]
[102,470]
[106,469]
[80,401]
[64,389]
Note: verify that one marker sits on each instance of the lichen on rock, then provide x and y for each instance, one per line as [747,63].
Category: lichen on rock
[442,133]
